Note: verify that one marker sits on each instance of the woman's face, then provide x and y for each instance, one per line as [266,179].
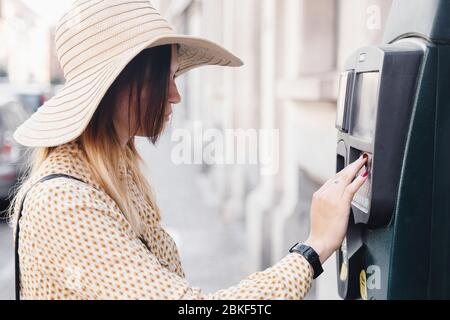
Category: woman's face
[174,95]
[121,120]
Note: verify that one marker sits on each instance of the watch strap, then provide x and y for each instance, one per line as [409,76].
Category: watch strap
[310,255]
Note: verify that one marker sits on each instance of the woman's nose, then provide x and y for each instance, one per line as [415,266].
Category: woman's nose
[174,95]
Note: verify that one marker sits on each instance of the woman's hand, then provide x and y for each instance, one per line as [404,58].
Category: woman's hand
[330,209]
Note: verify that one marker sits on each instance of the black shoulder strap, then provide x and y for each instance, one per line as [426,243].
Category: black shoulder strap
[16,247]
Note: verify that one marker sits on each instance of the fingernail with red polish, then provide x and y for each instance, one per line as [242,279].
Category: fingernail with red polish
[365,174]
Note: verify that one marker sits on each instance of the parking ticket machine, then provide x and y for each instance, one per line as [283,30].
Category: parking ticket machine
[394,109]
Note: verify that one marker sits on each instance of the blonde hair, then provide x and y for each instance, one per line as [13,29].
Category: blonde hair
[102,160]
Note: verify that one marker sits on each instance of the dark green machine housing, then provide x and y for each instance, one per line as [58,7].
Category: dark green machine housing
[394,107]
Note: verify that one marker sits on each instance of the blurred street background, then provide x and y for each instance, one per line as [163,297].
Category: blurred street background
[228,220]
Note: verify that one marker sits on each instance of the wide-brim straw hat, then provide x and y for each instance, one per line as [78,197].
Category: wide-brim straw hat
[95,40]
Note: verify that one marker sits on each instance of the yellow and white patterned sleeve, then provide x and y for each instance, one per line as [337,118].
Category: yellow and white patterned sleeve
[79,235]
[289,279]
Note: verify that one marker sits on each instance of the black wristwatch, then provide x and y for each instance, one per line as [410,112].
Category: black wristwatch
[310,255]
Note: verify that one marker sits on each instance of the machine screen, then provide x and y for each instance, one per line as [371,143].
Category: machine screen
[364,113]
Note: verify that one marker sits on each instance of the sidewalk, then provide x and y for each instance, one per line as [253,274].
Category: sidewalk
[6,263]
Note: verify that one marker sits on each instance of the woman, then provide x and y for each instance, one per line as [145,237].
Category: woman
[95,233]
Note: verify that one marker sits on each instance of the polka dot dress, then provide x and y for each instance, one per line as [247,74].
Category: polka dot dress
[76,244]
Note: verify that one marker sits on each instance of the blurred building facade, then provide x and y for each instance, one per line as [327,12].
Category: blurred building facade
[25,39]
[293,51]
[56,72]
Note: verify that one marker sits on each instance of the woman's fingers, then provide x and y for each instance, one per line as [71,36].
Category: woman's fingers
[353,187]
[343,178]
[352,170]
